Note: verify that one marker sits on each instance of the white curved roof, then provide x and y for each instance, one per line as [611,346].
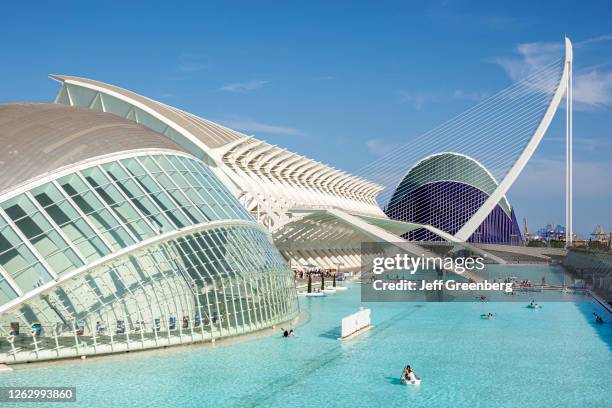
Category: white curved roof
[39,138]
[210,133]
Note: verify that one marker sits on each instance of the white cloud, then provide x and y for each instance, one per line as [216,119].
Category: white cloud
[592,87]
[380,147]
[251,126]
[532,57]
[241,87]
[417,99]
[191,63]
[475,96]
[589,41]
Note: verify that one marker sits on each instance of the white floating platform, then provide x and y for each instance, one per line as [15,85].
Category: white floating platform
[329,290]
[315,294]
[355,324]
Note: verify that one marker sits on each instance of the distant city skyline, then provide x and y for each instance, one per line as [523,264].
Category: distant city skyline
[342,83]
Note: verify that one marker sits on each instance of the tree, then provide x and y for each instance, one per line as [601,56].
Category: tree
[309,290]
[334,280]
[322,281]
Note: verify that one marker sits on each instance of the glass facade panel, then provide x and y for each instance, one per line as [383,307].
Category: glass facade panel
[181,217]
[71,223]
[6,292]
[80,96]
[195,191]
[213,186]
[114,199]
[47,241]
[115,106]
[137,196]
[104,221]
[18,260]
[178,196]
[149,121]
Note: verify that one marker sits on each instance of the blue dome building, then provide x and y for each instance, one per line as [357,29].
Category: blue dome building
[444,190]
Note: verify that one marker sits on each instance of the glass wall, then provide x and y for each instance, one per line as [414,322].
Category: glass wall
[67,223]
[203,285]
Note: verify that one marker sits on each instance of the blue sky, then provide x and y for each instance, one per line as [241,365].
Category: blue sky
[341,82]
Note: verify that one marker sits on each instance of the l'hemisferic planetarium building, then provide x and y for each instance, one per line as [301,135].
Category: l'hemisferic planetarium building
[113,238]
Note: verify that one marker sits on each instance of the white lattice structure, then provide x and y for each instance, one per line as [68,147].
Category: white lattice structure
[275,180]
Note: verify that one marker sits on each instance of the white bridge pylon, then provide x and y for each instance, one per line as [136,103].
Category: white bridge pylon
[473,223]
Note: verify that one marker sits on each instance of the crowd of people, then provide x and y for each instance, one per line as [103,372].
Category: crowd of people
[301,274]
[525,283]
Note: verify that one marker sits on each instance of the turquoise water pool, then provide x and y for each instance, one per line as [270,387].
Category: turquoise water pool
[551,357]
